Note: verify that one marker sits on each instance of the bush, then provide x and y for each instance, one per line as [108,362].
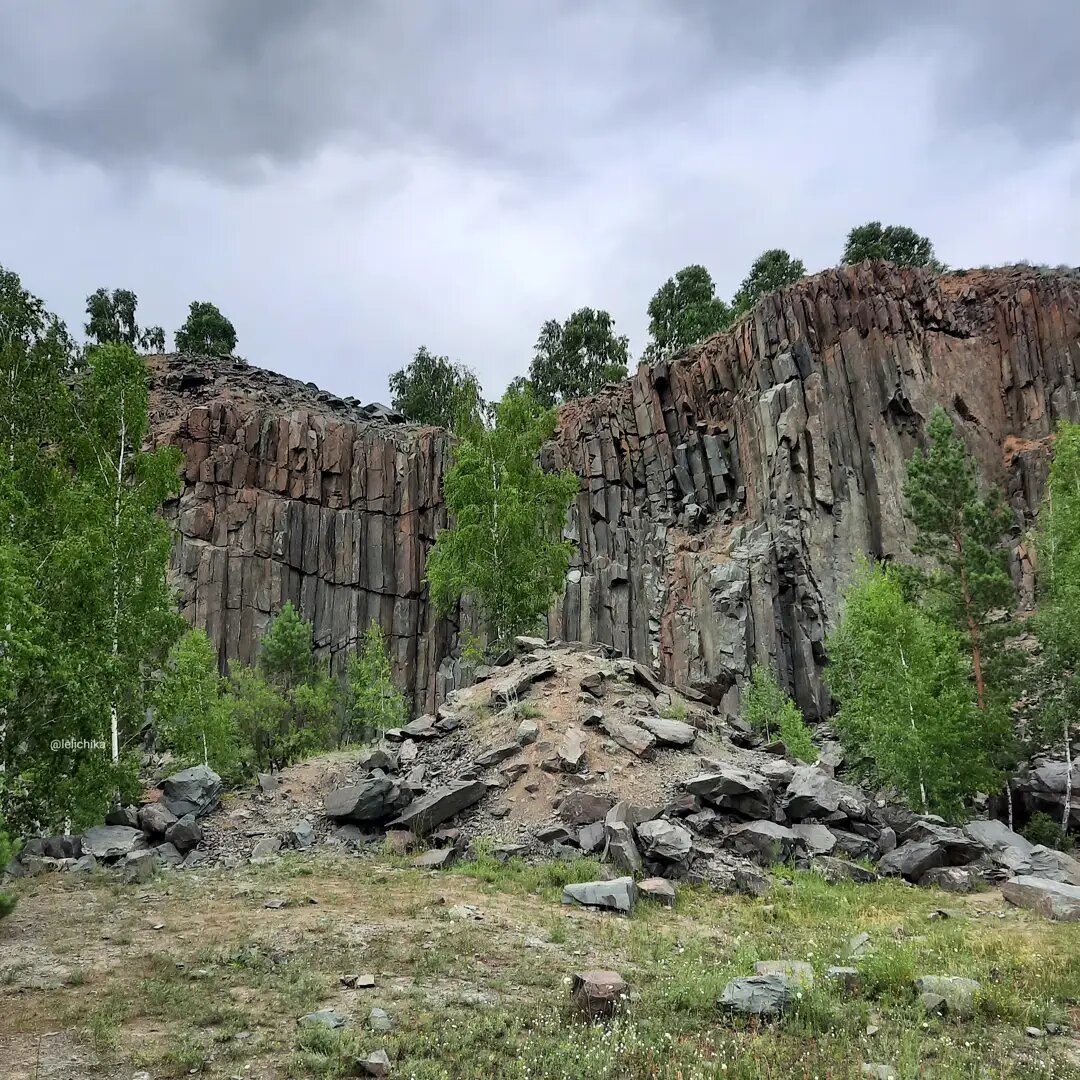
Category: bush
[375,703]
[773,714]
[7,901]
[1043,829]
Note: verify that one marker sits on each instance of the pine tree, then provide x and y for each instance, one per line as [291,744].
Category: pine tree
[504,546]
[961,532]
[907,711]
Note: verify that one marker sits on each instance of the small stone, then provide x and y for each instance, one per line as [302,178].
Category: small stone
[266,849]
[327,1018]
[375,1064]
[528,732]
[758,995]
[958,995]
[378,1020]
[617,895]
[302,835]
[435,859]
[1034,1032]
[599,993]
[358,982]
[658,889]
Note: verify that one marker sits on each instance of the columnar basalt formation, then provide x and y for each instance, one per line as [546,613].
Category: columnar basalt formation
[726,494]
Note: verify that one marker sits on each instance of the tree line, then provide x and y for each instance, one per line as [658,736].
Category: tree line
[579,355]
[111,319]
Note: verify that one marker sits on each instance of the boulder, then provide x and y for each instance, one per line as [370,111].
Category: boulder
[583,807]
[668,732]
[747,793]
[138,866]
[662,840]
[377,758]
[950,993]
[435,859]
[528,732]
[590,838]
[374,799]
[620,848]
[836,870]
[763,841]
[327,1018]
[185,833]
[658,889]
[379,1020]
[912,859]
[853,846]
[441,804]
[995,837]
[599,994]
[951,879]
[423,727]
[509,689]
[758,995]
[1050,899]
[812,793]
[637,740]
[168,855]
[1056,865]
[959,848]
[497,754]
[265,849]
[112,841]
[570,753]
[814,838]
[617,895]
[193,791]
[374,1064]
[155,818]
[122,815]
[302,835]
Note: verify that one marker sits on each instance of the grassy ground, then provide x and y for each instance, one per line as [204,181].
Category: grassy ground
[192,974]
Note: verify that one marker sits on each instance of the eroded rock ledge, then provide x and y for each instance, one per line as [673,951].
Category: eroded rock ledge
[726,494]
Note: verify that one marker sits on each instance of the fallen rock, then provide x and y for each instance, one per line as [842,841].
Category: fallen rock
[959,847]
[379,1020]
[377,758]
[630,737]
[620,848]
[590,838]
[497,755]
[423,727]
[112,841]
[816,839]
[619,894]
[302,835]
[763,841]
[583,807]
[1050,899]
[185,833]
[121,815]
[570,753]
[995,837]
[440,805]
[747,793]
[528,732]
[375,1064]
[266,848]
[373,799]
[167,854]
[510,689]
[1053,864]
[435,859]
[193,791]
[814,794]
[327,1018]
[758,995]
[951,879]
[912,859]
[660,839]
[138,866]
[951,993]
[668,732]
[749,881]
[659,889]
[599,994]
[155,818]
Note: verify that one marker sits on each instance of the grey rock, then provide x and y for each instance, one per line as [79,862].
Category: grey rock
[168,855]
[374,799]
[951,879]
[528,732]
[509,689]
[620,848]
[185,833]
[266,848]
[662,840]
[599,994]
[408,752]
[423,727]
[193,791]
[745,792]
[302,835]
[435,859]
[749,881]
[498,754]
[658,889]
[555,834]
[138,866]
[155,819]
[814,838]
[668,732]
[857,946]
[327,1018]
[853,846]
[959,847]
[813,794]
[912,859]
[629,736]
[763,841]
[1056,865]
[1050,899]
[440,805]
[886,840]
[377,758]
[582,807]
[591,837]
[121,815]
[374,1064]
[112,841]
[958,994]
[570,753]
[619,894]
[995,837]
[378,1020]
[758,995]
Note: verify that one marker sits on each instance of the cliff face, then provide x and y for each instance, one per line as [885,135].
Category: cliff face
[726,495]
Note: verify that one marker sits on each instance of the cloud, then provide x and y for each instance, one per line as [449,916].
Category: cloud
[348,180]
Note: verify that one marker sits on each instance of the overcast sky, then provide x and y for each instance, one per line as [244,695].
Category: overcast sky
[348,179]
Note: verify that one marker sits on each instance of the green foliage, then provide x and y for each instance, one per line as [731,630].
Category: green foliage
[891,243]
[82,557]
[7,901]
[504,547]
[374,702]
[206,331]
[432,390]
[194,717]
[111,317]
[577,357]
[907,712]
[771,270]
[772,713]
[684,310]
[961,532]
[1043,829]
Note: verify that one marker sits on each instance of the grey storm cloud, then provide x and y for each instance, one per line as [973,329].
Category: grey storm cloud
[234,87]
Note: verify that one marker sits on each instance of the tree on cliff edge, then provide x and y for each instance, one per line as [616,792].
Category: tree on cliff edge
[684,310]
[889,243]
[432,390]
[577,357]
[504,548]
[206,331]
[771,270]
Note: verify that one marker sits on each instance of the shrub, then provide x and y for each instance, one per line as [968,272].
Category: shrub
[772,713]
[7,901]
[374,702]
[1043,829]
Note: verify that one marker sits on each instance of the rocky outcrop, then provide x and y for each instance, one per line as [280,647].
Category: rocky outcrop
[725,494]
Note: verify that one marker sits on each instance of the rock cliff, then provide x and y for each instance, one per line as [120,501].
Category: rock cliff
[725,497]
